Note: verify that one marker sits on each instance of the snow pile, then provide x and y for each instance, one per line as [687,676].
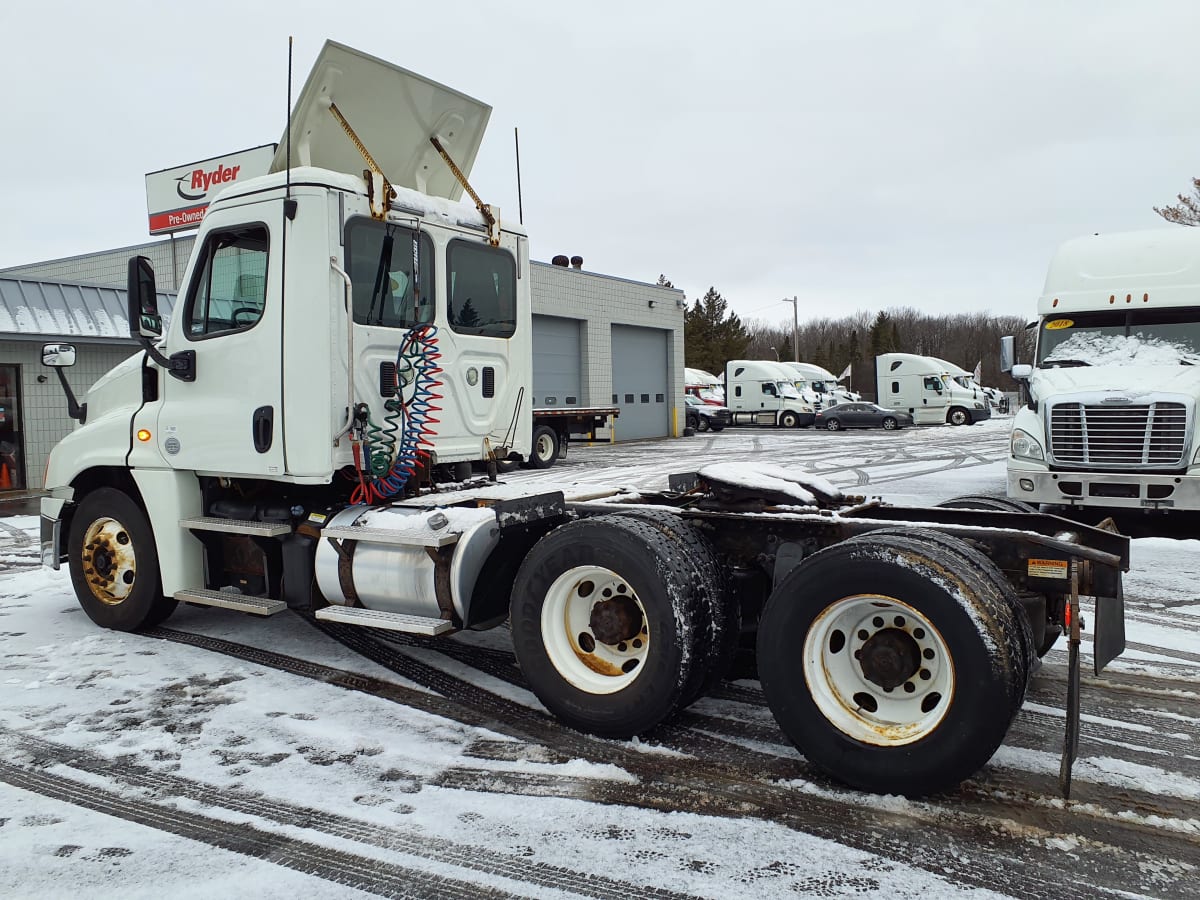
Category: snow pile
[755,476]
[447,519]
[1122,350]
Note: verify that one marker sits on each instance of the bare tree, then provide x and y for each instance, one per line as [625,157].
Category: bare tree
[1187,211]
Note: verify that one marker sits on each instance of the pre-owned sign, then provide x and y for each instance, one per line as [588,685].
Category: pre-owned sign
[176,199]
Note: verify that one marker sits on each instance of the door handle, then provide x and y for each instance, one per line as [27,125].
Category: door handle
[262,428]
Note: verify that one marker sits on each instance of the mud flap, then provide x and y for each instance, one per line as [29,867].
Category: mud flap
[1109,640]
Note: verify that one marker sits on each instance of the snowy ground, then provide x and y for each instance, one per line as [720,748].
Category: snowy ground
[228,755]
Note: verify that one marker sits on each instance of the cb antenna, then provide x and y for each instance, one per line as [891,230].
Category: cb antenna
[289,205]
[520,205]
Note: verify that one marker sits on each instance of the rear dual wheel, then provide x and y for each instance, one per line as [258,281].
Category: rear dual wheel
[891,663]
[619,621]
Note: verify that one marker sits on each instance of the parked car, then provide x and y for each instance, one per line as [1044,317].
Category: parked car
[704,416]
[861,415]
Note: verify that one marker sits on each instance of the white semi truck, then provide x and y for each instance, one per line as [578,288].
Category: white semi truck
[1111,419]
[926,389]
[763,392]
[345,339]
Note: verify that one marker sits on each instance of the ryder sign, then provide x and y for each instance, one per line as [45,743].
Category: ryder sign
[177,198]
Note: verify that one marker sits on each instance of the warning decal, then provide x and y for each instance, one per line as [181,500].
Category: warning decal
[1048,568]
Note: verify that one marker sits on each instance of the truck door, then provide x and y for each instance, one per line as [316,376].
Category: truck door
[228,419]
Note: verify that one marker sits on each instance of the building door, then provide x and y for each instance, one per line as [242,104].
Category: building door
[557,361]
[639,363]
[12,447]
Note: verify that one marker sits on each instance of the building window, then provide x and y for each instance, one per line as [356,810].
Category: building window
[482,290]
[229,286]
[380,264]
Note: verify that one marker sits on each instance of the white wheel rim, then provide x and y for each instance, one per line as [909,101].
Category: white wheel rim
[868,634]
[581,657]
[109,562]
[545,447]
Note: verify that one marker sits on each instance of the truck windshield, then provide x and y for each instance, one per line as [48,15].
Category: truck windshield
[1146,337]
[381,267]
[788,390]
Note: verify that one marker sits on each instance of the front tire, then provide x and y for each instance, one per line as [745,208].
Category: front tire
[702,423]
[114,563]
[889,424]
[545,448]
[607,624]
[958,416]
[833,425]
[789,420]
[908,663]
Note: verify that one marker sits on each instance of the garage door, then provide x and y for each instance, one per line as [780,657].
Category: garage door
[639,366]
[557,360]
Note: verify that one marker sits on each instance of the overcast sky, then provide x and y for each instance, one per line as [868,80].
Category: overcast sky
[857,155]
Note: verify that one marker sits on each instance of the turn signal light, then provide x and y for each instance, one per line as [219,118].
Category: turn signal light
[143,435]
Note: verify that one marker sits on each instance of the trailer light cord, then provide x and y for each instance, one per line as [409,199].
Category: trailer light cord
[390,464]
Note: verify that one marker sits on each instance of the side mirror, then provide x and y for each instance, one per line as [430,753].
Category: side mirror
[58,355]
[1007,353]
[144,320]
[1022,372]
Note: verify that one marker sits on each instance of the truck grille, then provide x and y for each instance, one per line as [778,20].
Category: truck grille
[1152,434]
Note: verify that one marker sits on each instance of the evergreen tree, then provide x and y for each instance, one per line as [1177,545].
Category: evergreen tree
[663,281]
[712,335]
[467,316]
[882,334]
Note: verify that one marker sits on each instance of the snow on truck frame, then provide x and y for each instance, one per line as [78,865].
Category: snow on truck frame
[1111,419]
[343,344]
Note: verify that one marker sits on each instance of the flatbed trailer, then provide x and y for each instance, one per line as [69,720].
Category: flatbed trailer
[553,427]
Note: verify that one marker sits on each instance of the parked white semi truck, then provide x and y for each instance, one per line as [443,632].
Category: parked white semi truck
[923,387]
[1111,419]
[763,392]
[348,334]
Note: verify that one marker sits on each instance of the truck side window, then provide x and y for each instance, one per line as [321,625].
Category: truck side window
[933,384]
[482,290]
[229,288]
[895,387]
[768,389]
[382,274]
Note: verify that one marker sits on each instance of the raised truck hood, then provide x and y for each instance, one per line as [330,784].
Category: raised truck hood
[394,112]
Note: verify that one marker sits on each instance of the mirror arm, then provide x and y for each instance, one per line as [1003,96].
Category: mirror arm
[74,409]
[155,353]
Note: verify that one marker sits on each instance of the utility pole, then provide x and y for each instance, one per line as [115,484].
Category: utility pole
[795,326]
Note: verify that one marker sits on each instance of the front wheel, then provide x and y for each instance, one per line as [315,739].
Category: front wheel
[889,424]
[833,425]
[114,563]
[958,416]
[789,420]
[545,448]
[909,663]
[702,423]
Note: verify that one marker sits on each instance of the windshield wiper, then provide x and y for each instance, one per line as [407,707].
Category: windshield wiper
[1065,363]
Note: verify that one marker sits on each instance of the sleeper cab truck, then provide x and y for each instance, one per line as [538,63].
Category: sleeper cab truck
[922,386]
[763,392]
[1112,389]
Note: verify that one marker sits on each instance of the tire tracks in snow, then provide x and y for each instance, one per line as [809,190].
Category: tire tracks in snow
[963,846]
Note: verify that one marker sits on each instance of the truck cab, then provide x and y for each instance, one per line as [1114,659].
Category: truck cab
[924,387]
[1114,382]
[764,392]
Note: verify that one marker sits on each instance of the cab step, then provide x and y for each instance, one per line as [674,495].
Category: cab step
[388,536]
[235,526]
[259,606]
[389,621]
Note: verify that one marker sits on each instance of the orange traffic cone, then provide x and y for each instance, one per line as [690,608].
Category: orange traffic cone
[5,478]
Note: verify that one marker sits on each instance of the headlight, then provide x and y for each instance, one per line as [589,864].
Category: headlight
[1024,446]
[979,406]
[804,407]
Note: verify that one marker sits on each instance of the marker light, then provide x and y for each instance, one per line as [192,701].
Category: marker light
[143,435]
